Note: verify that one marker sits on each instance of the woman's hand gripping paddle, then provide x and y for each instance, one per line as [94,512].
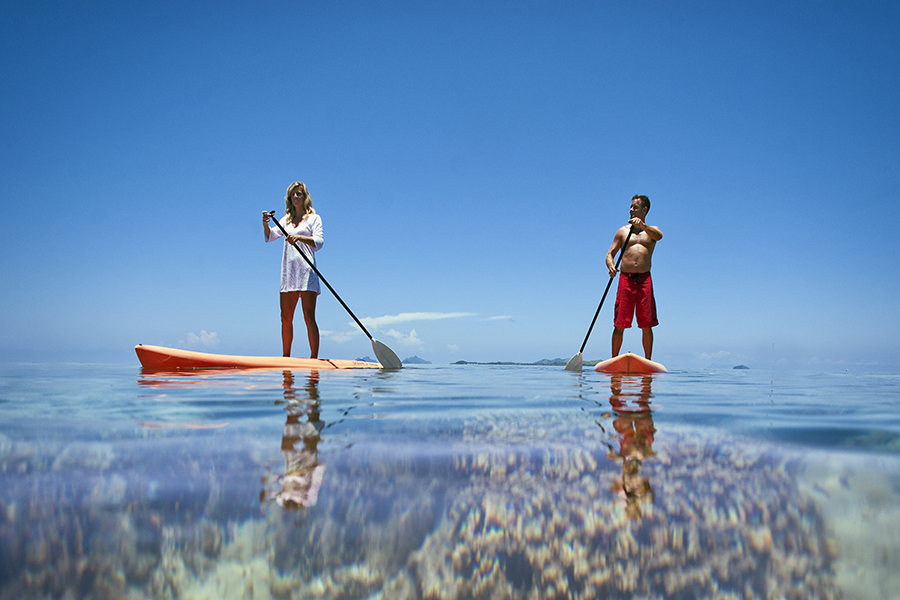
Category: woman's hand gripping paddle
[385,355]
[575,363]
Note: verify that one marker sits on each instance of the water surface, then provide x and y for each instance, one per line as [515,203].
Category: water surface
[457,481]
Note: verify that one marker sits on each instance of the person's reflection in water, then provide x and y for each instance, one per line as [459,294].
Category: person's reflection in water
[633,422]
[302,471]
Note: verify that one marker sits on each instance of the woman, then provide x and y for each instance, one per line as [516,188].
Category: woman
[298,280]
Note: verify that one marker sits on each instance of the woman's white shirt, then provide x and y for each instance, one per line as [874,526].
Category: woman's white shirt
[296,273]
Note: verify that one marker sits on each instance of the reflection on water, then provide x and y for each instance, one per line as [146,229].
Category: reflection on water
[303,472]
[516,482]
[633,423]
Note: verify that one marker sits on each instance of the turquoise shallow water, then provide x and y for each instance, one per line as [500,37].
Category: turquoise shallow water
[456,481]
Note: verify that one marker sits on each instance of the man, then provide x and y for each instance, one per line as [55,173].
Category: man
[635,291]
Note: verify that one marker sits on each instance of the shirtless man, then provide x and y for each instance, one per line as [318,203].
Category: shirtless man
[635,291]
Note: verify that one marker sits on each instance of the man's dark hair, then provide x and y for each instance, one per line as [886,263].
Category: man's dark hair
[645,201]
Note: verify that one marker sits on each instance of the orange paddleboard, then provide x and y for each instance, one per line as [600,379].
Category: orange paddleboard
[629,363]
[158,357]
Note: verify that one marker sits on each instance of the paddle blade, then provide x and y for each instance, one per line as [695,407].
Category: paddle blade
[574,363]
[386,356]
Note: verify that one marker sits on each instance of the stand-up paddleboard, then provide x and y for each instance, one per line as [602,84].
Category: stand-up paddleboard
[158,357]
[629,363]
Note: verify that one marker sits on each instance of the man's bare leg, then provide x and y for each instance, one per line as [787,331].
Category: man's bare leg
[648,341]
[617,335]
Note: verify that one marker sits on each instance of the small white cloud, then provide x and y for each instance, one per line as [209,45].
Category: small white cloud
[340,337]
[376,322]
[452,347]
[719,354]
[501,318]
[204,340]
[410,339]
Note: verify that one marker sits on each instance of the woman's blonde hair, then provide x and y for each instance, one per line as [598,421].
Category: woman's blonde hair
[307,201]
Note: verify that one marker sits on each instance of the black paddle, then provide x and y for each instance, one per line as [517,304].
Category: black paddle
[576,361]
[385,355]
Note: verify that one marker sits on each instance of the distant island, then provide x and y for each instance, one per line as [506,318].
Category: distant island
[545,362]
[551,362]
[741,367]
[415,360]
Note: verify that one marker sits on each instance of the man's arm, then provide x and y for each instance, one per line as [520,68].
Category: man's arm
[654,232]
[618,241]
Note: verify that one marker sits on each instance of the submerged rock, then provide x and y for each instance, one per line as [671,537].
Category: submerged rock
[510,511]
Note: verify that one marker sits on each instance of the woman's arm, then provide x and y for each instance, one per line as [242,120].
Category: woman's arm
[314,241]
[270,233]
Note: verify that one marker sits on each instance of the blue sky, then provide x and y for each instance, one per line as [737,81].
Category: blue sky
[470,161]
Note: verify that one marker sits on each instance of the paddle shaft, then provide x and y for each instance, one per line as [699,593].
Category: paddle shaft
[608,285]
[328,285]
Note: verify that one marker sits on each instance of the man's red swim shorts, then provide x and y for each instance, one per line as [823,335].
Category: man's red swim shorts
[635,296]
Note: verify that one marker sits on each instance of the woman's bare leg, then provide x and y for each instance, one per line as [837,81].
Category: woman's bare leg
[308,303]
[288,306]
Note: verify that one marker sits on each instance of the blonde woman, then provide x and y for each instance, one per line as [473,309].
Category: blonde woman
[298,281]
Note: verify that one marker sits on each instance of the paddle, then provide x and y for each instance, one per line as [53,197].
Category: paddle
[576,361]
[385,355]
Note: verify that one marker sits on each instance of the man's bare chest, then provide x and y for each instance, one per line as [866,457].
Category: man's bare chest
[640,241]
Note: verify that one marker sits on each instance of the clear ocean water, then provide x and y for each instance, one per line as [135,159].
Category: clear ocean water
[447,481]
